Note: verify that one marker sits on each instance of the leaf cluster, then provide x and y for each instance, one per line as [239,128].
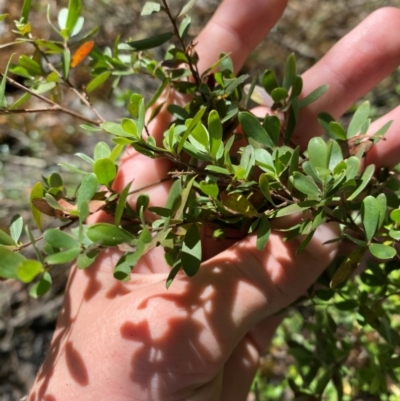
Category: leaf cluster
[233,172]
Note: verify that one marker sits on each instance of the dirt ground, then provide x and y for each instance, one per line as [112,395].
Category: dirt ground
[33,145]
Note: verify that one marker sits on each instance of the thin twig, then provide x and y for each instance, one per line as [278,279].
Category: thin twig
[55,106]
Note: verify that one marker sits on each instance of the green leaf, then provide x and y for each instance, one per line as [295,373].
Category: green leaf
[217,169]
[238,203]
[337,131]
[174,271]
[186,8]
[30,65]
[381,251]
[290,72]
[313,96]
[264,160]
[210,188]
[265,188]
[98,81]
[150,43]
[279,95]
[63,257]
[395,234]
[365,179]
[353,165]
[191,125]
[347,267]
[87,189]
[74,11]
[6,240]
[395,216]
[269,81]
[370,216]
[305,184]
[263,232]
[292,209]
[142,203]
[358,120]
[60,239]
[3,99]
[272,125]
[150,7]
[121,204]
[184,198]
[382,207]
[253,129]
[87,258]
[9,262]
[101,150]
[105,170]
[41,287]
[318,152]
[247,160]
[36,193]
[26,7]
[108,234]
[191,251]
[215,131]
[115,129]
[28,270]
[16,227]
[66,63]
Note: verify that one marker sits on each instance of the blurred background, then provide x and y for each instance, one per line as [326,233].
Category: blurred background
[33,145]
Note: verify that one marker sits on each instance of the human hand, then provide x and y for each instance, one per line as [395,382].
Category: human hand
[201,339]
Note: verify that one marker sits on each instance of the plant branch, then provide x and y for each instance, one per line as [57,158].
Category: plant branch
[54,105]
[193,70]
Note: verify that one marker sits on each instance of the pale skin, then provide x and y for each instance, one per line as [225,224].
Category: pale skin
[201,339]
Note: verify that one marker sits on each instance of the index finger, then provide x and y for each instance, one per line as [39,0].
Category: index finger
[236,28]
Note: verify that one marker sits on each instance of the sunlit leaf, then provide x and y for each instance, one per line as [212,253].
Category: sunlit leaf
[238,203]
[209,188]
[108,234]
[28,270]
[9,262]
[26,7]
[318,152]
[365,179]
[6,240]
[16,227]
[358,120]
[59,239]
[150,7]
[74,11]
[381,251]
[41,287]
[98,81]
[186,8]
[105,170]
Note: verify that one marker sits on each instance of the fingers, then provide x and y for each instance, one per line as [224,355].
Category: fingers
[386,152]
[236,28]
[351,68]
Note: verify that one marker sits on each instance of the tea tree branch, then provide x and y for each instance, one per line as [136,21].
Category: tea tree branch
[55,106]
